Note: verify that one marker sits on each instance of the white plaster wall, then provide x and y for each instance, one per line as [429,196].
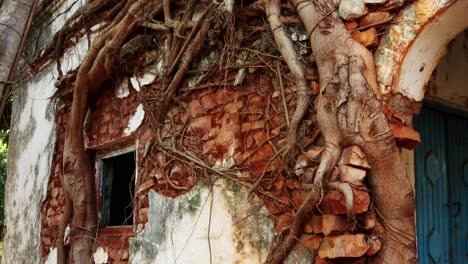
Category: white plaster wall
[30,153]
[177,230]
[31,147]
[449,82]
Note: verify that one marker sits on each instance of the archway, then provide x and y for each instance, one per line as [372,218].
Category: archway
[409,52]
[412,48]
[441,161]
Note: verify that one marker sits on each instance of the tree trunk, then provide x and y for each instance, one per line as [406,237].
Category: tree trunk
[13,17]
[350,113]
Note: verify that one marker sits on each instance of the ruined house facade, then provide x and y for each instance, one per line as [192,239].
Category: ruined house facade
[193,199]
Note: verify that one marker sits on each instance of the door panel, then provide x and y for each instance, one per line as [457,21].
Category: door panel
[457,171]
[432,199]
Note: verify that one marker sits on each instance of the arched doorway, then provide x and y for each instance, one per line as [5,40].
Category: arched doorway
[441,161]
[405,60]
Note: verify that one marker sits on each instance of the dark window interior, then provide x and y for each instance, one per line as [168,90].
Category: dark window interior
[117,189]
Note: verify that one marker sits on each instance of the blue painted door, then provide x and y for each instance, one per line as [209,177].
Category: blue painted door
[441,188]
[458,191]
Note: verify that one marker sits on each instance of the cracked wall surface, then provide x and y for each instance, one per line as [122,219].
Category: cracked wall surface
[182,229]
[31,147]
[169,226]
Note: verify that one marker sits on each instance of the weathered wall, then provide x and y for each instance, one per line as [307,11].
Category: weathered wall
[238,128]
[206,223]
[32,140]
[450,79]
[30,152]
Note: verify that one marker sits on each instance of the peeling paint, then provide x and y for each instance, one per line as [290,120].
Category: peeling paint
[100,256]
[135,120]
[121,90]
[147,78]
[52,257]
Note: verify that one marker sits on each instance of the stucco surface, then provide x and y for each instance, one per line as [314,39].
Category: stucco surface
[181,230]
[31,147]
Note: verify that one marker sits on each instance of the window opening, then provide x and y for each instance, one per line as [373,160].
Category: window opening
[117,189]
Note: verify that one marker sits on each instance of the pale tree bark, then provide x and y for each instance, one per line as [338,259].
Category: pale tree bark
[13,17]
[350,112]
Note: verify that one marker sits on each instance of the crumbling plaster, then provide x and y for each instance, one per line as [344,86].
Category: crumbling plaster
[216,222]
[31,147]
[180,230]
[177,230]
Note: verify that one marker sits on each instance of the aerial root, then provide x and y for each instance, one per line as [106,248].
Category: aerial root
[280,251]
[293,60]
[347,191]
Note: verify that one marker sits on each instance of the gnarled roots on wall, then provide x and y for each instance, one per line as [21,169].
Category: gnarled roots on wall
[349,112]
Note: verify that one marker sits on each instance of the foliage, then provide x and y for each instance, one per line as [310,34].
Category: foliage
[3,173]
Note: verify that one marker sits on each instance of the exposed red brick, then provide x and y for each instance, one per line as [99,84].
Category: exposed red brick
[405,137]
[148,184]
[54,203]
[313,224]
[351,174]
[334,202]
[143,215]
[298,197]
[355,157]
[55,191]
[283,221]
[208,102]
[348,246]
[332,224]
[319,260]
[311,242]
[273,207]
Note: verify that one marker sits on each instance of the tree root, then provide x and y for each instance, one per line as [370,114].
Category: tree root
[78,178]
[293,60]
[347,191]
[350,113]
[192,52]
[280,251]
